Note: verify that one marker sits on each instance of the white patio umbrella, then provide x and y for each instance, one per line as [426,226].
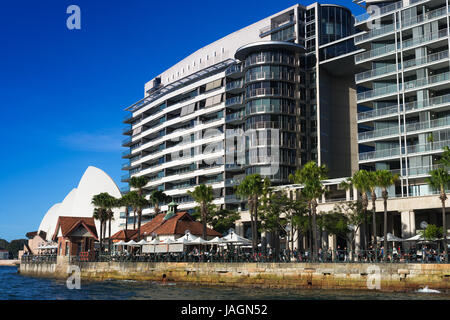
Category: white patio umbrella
[417,237]
[216,240]
[154,241]
[199,240]
[391,238]
[168,241]
[120,243]
[131,243]
[142,242]
[234,238]
[186,239]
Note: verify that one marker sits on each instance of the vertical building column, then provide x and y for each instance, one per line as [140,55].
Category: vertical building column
[408,219]
[358,240]
[240,229]
[332,242]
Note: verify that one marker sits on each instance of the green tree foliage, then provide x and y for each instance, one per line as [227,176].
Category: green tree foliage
[432,232]
[311,177]
[204,196]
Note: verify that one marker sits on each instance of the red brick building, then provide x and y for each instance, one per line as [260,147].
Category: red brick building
[75,235]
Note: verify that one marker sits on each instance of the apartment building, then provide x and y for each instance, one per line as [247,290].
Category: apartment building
[265,99]
[403,91]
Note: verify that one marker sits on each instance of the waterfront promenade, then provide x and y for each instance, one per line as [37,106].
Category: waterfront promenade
[7,263]
[400,277]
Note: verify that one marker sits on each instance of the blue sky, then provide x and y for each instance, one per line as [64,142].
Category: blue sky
[62,92]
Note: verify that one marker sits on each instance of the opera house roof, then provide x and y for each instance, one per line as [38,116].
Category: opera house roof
[78,202]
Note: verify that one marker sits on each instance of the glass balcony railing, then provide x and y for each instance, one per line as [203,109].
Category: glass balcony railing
[378,112]
[378,92]
[269,92]
[376,32]
[439,56]
[415,105]
[233,85]
[424,17]
[427,81]
[425,60]
[411,149]
[383,10]
[418,126]
[410,106]
[235,68]
[270,76]
[390,48]
[425,38]
[235,116]
[375,72]
[378,133]
[233,101]
[409,128]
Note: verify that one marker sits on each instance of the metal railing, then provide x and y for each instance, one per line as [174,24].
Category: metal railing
[375,72]
[379,92]
[427,81]
[383,10]
[424,17]
[270,92]
[233,101]
[443,55]
[422,256]
[51,258]
[392,152]
[376,32]
[425,38]
[270,76]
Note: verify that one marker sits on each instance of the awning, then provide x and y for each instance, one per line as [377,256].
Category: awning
[120,243]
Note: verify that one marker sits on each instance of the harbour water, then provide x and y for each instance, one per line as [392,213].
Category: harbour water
[14,286]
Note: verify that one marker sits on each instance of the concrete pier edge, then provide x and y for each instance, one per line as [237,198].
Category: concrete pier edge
[354,276]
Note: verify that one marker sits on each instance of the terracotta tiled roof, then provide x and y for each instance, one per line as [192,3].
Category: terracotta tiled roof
[178,224]
[124,235]
[31,235]
[69,224]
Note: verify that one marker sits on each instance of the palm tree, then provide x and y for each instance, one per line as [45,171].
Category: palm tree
[100,202]
[385,179]
[204,196]
[373,184]
[361,181]
[311,176]
[125,201]
[99,214]
[139,183]
[440,179]
[252,187]
[156,198]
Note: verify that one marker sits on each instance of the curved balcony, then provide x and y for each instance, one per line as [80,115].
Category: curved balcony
[235,117]
[290,77]
[269,92]
[234,87]
[279,59]
[234,71]
[235,101]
